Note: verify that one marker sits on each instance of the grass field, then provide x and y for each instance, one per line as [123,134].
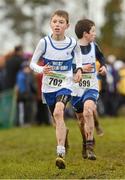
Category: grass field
[29,153]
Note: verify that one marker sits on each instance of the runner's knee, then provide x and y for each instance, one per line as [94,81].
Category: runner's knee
[58,111]
[88,111]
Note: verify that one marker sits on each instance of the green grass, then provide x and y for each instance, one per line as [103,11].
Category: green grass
[29,153]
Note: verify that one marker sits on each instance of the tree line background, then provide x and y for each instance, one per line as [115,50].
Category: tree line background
[27,19]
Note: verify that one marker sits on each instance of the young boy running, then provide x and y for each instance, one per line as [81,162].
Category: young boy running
[85,93]
[57,51]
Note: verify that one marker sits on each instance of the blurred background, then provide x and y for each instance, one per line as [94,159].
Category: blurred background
[24,22]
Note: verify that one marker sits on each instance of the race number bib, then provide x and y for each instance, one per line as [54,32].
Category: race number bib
[85,81]
[55,80]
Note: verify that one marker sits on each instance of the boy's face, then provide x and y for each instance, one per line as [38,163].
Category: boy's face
[91,35]
[58,25]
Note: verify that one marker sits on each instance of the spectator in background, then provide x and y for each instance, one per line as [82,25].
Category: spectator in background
[120,68]
[27,56]
[102,87]
[2,73]
[26,91]
[112,79]
[12,66]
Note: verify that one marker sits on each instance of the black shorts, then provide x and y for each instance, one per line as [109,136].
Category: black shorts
[61,98]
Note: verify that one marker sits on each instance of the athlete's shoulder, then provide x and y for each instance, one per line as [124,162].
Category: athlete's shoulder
[97,47]
[45,37]
[42,40]
[73,41]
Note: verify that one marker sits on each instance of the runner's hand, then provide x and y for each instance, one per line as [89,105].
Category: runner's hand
[87,68]
[78,76]
[102,70]
[47,69]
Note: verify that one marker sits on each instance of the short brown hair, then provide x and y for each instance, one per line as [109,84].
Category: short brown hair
[61,13]
[83,25]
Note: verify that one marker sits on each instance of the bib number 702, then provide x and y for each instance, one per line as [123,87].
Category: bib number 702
[55,82]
